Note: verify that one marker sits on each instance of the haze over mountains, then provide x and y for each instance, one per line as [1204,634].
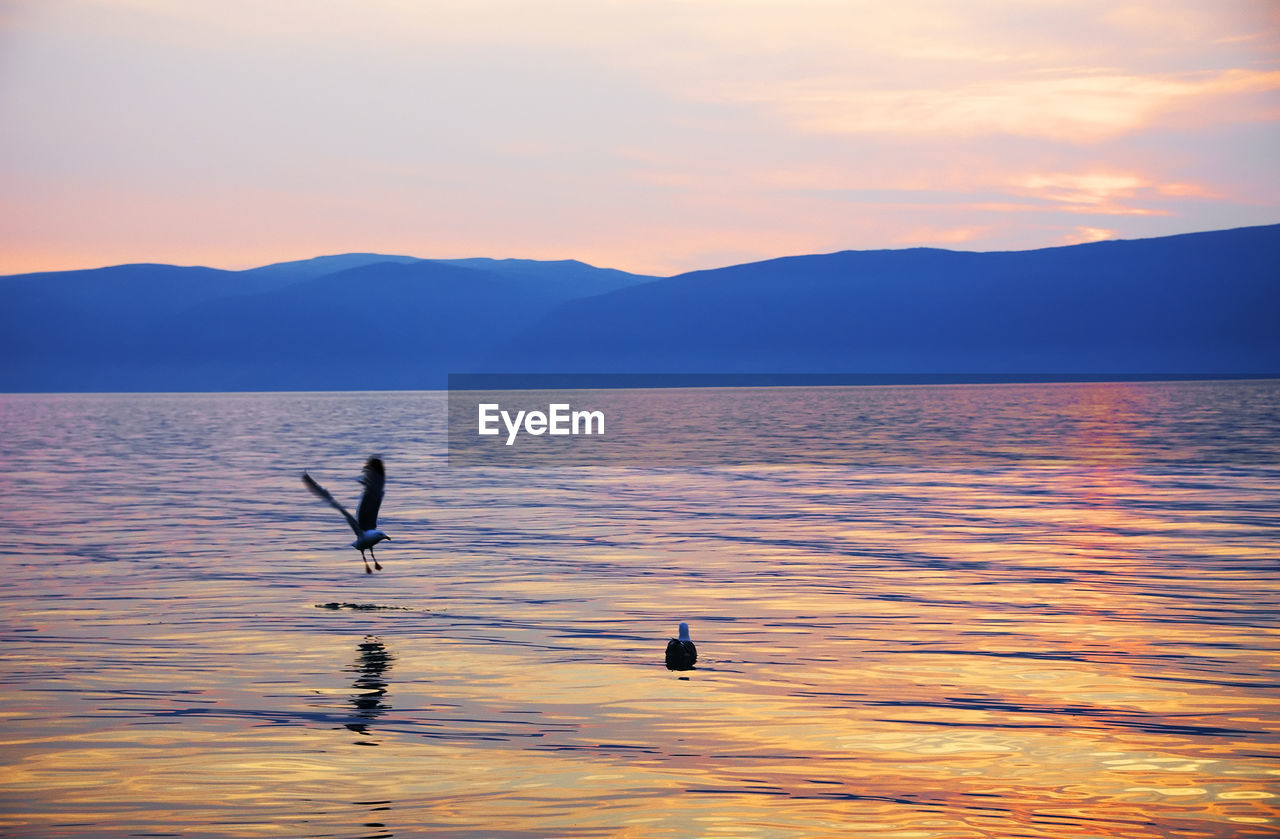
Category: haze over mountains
[1205,303]
[354,321]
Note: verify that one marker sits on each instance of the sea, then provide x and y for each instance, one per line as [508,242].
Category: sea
[1005,610]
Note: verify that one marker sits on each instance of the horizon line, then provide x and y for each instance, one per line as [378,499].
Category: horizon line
[881,380]
[98,267]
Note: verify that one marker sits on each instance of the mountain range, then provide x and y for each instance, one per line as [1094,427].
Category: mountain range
[1200,303]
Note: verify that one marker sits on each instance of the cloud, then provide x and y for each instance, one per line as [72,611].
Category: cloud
[651,134]
[1094,188]
[941,236]
[1106,193]
[1082,235]
[1078,107]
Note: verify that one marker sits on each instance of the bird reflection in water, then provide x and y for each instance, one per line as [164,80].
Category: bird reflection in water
[369,702]
[370,694]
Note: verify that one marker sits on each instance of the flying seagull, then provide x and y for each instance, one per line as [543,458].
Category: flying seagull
[365,521]
[681,653]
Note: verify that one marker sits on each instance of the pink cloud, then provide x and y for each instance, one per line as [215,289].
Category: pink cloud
[941,236]
[1077,106]
[1082,235]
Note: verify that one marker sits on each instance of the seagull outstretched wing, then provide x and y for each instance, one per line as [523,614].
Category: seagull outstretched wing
[323,494]
[373,477]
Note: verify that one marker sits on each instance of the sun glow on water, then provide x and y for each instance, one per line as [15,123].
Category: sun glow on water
[960,646]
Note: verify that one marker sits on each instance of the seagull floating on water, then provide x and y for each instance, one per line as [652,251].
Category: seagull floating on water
[681,653]
[365,521]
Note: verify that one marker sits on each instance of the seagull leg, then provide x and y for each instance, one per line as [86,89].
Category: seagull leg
[366,563]
[375,560]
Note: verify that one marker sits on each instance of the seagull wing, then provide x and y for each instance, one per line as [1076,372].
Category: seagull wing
[373,477]
[323,494]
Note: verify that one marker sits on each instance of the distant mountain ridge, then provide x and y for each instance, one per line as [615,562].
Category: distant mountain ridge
[1202,302]
[318,266]
[349,321]
[549,271]
[1196,303]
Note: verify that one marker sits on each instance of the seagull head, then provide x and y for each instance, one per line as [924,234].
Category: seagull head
[684,632]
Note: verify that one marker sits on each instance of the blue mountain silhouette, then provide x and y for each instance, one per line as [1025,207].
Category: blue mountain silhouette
[1197,303]
[313,324]
[1205,302]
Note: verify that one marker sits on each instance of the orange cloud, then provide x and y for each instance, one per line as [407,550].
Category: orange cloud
[940,236]
[1105,193]
[1092,188]
[1188,191]
[1081,235]
[1083,106]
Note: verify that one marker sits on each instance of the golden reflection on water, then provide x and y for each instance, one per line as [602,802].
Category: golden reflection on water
[1074,648]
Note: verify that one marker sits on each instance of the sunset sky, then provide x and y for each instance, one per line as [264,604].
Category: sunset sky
[655,136]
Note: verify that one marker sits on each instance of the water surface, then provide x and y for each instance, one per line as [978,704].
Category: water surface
[1038,611]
